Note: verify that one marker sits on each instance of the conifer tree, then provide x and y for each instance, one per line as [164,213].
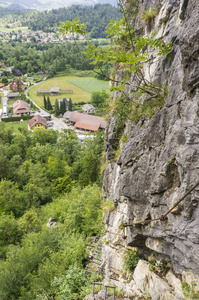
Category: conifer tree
[45,102]
[48,106]
[61,107]
[56,110]
[64,106]
[70,105]
[19,89]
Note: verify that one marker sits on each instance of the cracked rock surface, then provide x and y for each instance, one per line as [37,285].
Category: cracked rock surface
[160,161]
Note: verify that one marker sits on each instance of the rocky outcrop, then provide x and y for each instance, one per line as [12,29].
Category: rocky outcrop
[160,161]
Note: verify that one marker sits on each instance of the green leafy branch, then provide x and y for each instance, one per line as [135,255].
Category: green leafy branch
[127,52]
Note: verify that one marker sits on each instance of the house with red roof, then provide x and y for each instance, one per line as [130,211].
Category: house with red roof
[37,122]
[20,108]
[87,122]
[16,84]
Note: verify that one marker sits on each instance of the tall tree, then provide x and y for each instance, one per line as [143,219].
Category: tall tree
[45,102]
[19,89]
[70,105]
[48,106]
[56,110]
[62,107]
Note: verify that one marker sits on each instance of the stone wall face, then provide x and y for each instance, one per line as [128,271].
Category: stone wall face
[160,161]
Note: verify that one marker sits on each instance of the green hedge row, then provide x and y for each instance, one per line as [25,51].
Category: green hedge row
[15,119]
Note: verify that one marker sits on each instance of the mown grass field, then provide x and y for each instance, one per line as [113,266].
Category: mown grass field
[82,88]
[90,84]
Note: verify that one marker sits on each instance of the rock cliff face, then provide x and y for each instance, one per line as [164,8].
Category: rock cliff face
[160,161]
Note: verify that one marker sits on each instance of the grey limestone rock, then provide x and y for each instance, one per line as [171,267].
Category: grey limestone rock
[160,161]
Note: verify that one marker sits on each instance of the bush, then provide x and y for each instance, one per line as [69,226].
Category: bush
[148,17]
[108,206]
[130,259]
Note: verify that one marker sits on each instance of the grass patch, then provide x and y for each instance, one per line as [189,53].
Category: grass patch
[189,291]
[1,105]
[16,126]
[91,84]
[80,94]
[10,102]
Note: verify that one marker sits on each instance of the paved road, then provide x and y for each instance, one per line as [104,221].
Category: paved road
[58,124]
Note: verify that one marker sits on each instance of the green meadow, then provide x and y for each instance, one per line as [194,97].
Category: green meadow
[90,84]
[82,88]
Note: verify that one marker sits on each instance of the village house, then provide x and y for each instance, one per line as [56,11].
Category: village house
[16,84]
[54,91]
[12,96]
[9,69]
[37,122]
[86,122]
[17,72]
[88,109]
[67,115]
[40,73]
[20,108]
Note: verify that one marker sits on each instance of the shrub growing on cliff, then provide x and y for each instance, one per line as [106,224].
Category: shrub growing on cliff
[148,17]
[108,206]
[130,259]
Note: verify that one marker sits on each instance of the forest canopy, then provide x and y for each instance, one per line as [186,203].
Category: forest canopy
[96,18]
[47,174]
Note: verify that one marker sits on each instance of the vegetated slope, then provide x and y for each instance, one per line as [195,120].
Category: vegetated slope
[42,175]
[49,57]
[96,18]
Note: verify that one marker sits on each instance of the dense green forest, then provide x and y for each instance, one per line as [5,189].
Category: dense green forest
[50,58]
[47,174]
[96,18]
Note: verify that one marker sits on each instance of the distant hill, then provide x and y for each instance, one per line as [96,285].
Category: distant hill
[16,6]
[95,17]
[48,4]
